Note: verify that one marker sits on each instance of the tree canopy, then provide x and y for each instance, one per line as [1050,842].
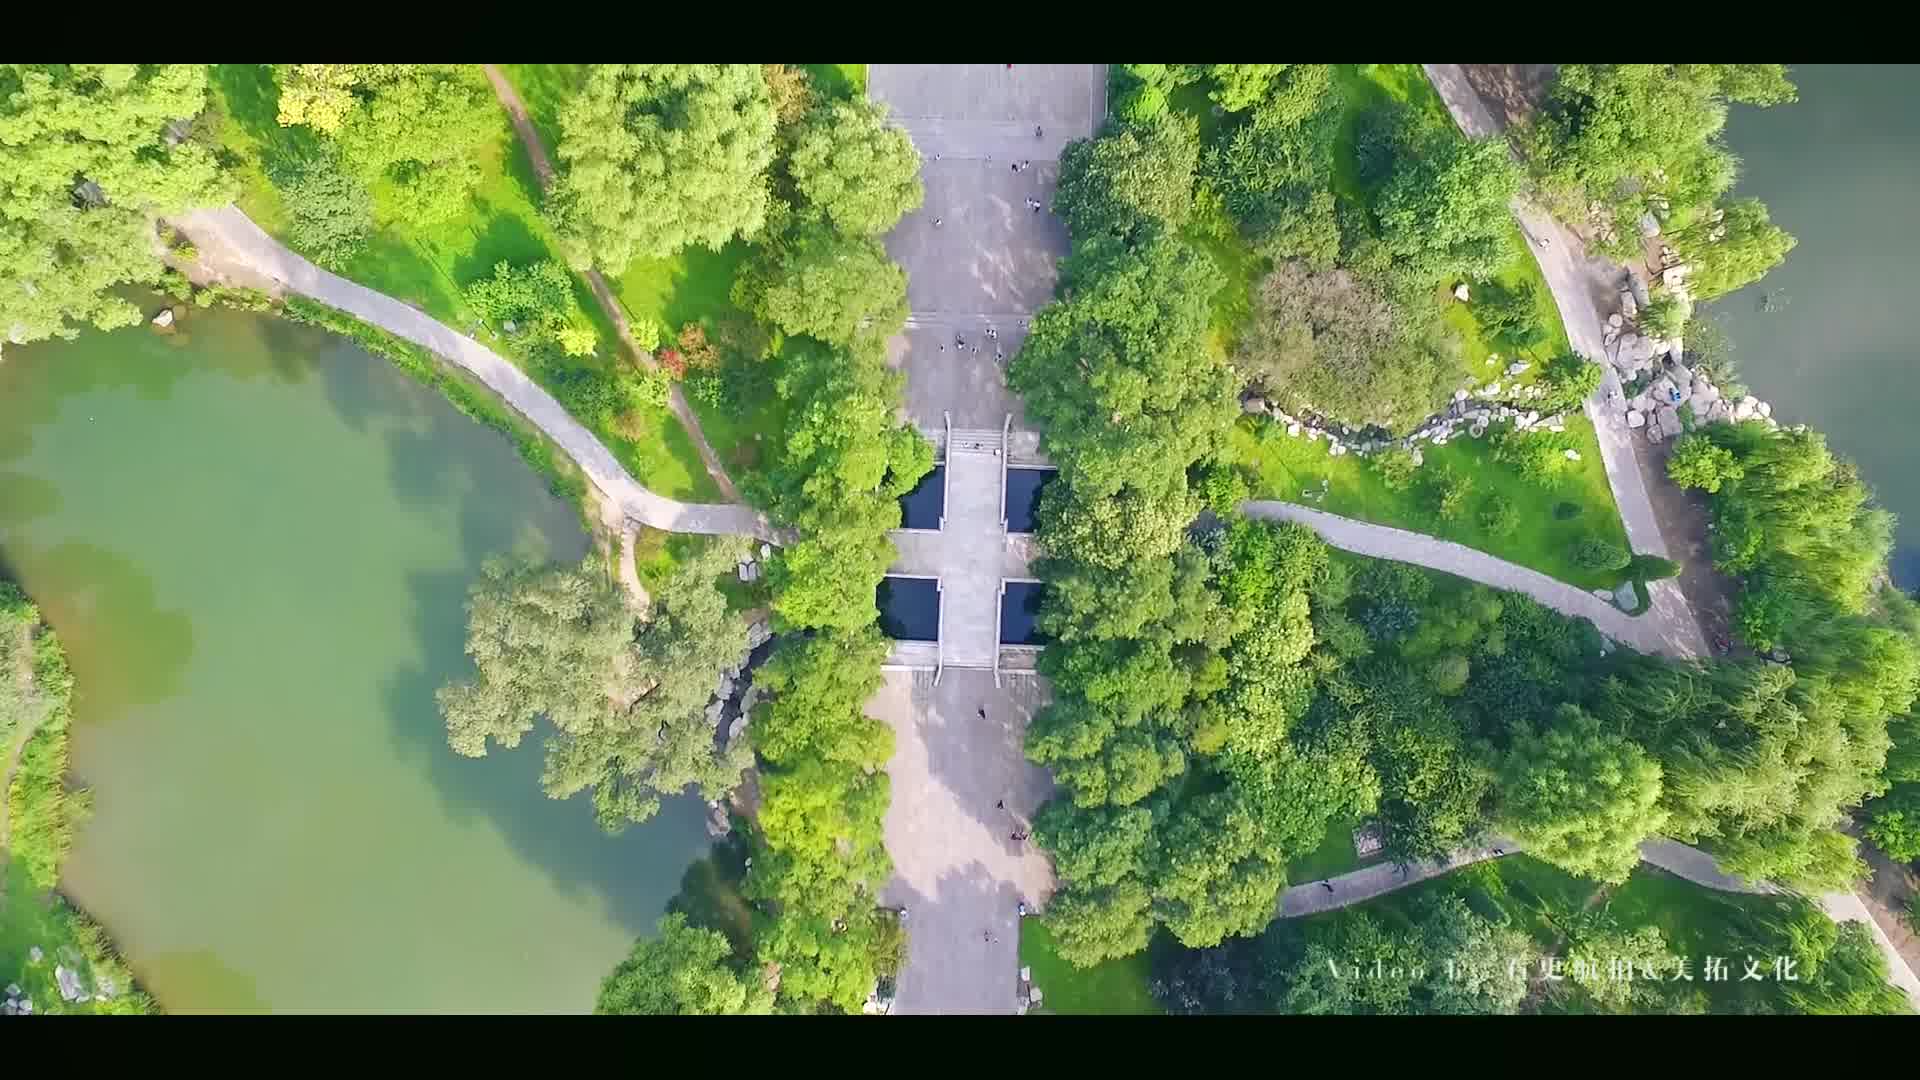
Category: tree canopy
[627,704]
[1581,797]
[88,154]
[862,172]
[659,156]
[685,971]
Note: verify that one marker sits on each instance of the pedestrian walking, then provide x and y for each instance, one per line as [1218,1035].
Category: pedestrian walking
[1001,805]
[1025,165]
[983,712]
[1327,885]
[1036,131]
[999,353]
[959,342]
[936,222]
[943,346]
[1036,207]
[976,350]
[1015,166]
[992,333]
[987,936]
[1497,851]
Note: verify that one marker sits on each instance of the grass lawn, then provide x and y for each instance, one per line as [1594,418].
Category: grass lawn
[1334,856]
[1694,922]
[1115,988]
[428,267]
[1288,467]
[657,554]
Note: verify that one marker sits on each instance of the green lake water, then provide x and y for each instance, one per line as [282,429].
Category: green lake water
[1840,169]
[255,540]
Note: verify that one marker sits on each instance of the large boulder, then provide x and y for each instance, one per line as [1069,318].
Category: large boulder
[1625,598]
[1669,419]
[1636,418]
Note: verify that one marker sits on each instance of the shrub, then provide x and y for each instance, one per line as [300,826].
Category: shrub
[1223,488]
[1397,467]
[537,295]
[329,210]
[645,387]
[673,363]
[1566,511]
[1539,457]
[700,353]
[1499,514]
[1652,568]
[1448,674]
[1698,462]
[578,340]
[646,334]
[1665,317]
[1447,493]
[1594,553]
[1570,380]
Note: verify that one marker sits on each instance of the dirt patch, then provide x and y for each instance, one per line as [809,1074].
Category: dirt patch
[1512,92]
[1684,523]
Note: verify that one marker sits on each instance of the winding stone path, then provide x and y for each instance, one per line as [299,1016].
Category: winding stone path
[230,243]
[1385,542]
[1580,285]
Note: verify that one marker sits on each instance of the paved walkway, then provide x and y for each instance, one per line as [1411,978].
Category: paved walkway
[231,244]
[989,262]
[1680,860]
[1582,287]
[1647,634]
[609,304]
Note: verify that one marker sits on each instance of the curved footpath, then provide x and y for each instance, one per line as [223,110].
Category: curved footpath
[1386,542]
[1579,284]
[543,169]
[229,242]
[1669,628]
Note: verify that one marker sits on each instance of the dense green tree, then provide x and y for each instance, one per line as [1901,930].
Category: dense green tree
[1274,172]
[1449,961]
[1333,344]
[1847,976]
[1397,467]
[627,706]
[1601,954]
[1894,822]
[858,169]
[538,294]
[660,156]
[318,95]
[1140,171]
[845,460]
[329,208]
[1499,514]
[1141,91]
[1443,210]
[1696,462]
[1569,380]
[1732,247]
[1509,315]
[1121,377]
[89,158]
[820,684]
[1539,457]
[685,971]
[828,286]
[1622,133]
[420,130]
[1218,872]
[1580,797]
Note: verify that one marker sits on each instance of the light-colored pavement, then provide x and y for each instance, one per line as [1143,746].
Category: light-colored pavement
[1581,287]
[989,262]
[230,243]
[1356,886]
[971,556]
[957,869]
[1647,634]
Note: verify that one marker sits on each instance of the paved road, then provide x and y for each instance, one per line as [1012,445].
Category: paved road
[1583,288]
[1644,632]
[230,243]
[602,294]
[988,262]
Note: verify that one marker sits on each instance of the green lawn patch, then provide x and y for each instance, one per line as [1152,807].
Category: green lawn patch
[1288,468]
[1334,856]
[1694,921]
[429,267]
[1115,988]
